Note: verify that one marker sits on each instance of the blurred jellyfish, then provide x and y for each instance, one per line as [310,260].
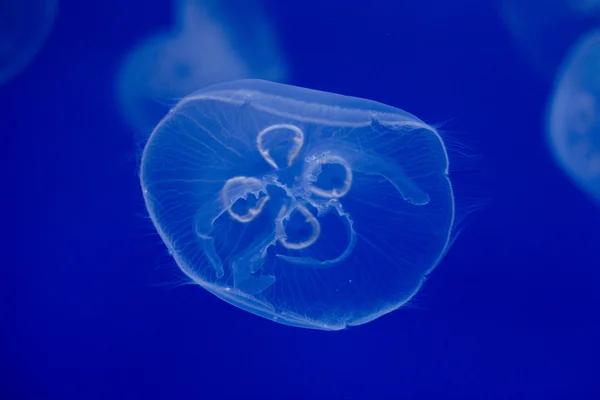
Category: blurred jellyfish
[585,7]
[574,115]
[308,208]
[24,27]
[212,41]
[544,30]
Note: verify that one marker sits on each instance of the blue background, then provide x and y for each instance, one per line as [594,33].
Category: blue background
[92,304]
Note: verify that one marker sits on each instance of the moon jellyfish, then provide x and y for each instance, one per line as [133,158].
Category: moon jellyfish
[308,208]
[24,27]
[213,41]
[585,7]
[573,115]
[543,30]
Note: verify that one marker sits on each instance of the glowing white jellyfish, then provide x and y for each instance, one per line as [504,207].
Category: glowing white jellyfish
[24,27]
[574,115]
[308,208]
[213,41]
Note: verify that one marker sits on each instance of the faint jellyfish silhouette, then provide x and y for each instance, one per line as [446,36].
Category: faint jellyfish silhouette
[24,27]
[312,209]
[573,115]
[589,8]
[544,30]
[212,42]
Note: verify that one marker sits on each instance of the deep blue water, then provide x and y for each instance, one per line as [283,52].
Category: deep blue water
[92,306]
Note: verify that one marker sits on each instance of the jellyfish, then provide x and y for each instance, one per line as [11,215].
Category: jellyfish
[24,27]
[211,42]
[573,126]
[543,31]
[585,7]
[308,208]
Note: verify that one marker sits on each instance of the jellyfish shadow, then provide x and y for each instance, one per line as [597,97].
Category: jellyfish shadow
[573,117]
[543,31]
[211,42]
[24,28]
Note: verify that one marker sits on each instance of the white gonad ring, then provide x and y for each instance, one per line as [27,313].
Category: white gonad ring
[314,168]
[285,214]
[297,143]
[239,187]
